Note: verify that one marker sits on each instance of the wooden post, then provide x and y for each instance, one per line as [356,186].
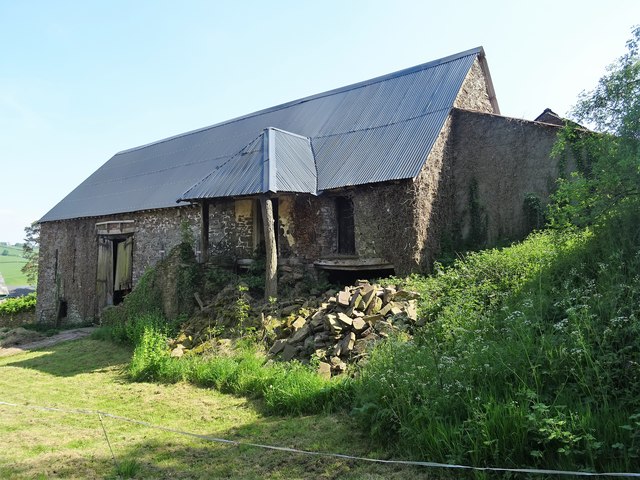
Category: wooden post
[204,232]
[271,271]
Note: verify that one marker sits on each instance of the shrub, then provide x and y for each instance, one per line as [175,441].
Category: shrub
[285,388]
[529,357]
[13,306]
[150,356]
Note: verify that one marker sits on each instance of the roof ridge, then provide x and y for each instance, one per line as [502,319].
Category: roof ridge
[399,73]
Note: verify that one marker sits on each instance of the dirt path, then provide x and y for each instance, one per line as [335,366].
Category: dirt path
[65,336]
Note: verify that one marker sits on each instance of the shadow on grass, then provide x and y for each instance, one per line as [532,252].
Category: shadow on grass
[72,358]
[317,433]
[177,456]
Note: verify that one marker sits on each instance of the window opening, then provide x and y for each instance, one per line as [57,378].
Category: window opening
[346,226]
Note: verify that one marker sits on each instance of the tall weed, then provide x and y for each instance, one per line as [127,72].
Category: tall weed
[529,357]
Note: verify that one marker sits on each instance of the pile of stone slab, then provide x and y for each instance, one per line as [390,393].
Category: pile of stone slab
[345,326]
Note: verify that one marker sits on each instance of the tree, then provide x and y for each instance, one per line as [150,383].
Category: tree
[5,252]
[30,252]
[607,176]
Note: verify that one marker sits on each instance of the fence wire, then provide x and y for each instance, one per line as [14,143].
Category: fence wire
[207,438]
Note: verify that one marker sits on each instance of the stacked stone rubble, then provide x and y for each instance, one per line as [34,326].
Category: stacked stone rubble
[345,326]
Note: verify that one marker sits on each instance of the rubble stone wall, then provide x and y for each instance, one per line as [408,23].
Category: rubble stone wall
[497,161]
[307,227]
[474,94]
[432,202]
[384,227]
[69,248]
[67,270]
[231,226]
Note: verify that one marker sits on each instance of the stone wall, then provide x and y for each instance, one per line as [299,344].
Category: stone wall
[231,229]
[67,270]
[384,222]
[433,192]
[68,257]
[432,202]
[497,161]
[17,319]
[307,227]
[474,94]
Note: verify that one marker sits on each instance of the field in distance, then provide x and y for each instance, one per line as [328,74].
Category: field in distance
[11,262]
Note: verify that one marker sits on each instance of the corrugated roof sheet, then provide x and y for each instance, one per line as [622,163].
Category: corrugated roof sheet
[377,130]
[275,161]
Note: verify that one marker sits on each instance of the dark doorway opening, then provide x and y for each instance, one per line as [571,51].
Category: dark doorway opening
[346,226]
[114,273]
[62,310]
[349,277]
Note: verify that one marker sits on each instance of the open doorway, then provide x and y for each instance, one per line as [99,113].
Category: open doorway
[114,272]
[346,226]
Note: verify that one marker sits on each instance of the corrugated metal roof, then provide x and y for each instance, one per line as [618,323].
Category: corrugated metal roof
[294,162]
[377,130]
[275,161]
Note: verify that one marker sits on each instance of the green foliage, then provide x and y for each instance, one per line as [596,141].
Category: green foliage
[31,253]
[216,278]
[534,212]
[607,179]
[13,306]
[131,330]
[5,253]
[186,235]
[189,276]
[150,356]
[529,357]
[242,309]
[478,218]
[127,468]
[144,299]
[284,388]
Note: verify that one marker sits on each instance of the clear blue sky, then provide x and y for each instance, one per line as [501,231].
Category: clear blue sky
[82,80]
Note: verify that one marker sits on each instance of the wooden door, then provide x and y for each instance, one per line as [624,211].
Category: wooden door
[104,277]
[124,259]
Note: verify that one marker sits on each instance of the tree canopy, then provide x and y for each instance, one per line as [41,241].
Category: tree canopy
[30,252]
[604,145]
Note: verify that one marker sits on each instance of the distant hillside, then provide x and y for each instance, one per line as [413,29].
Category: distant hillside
[12,250]
[11,262]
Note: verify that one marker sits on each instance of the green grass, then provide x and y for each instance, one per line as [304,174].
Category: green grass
[284,388]
[11,264]
[529,357]
[91,374]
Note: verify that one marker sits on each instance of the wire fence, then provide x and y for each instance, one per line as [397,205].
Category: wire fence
[207,438]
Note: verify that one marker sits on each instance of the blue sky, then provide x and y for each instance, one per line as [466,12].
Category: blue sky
[82,80]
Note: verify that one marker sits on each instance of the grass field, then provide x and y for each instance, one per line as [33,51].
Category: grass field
[10,266]
[89,374]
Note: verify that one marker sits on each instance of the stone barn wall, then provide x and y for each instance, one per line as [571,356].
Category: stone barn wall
[474,94]
[307,227]
[231,230]
[68,258]
[384,222]
[496,162]
[432,200]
